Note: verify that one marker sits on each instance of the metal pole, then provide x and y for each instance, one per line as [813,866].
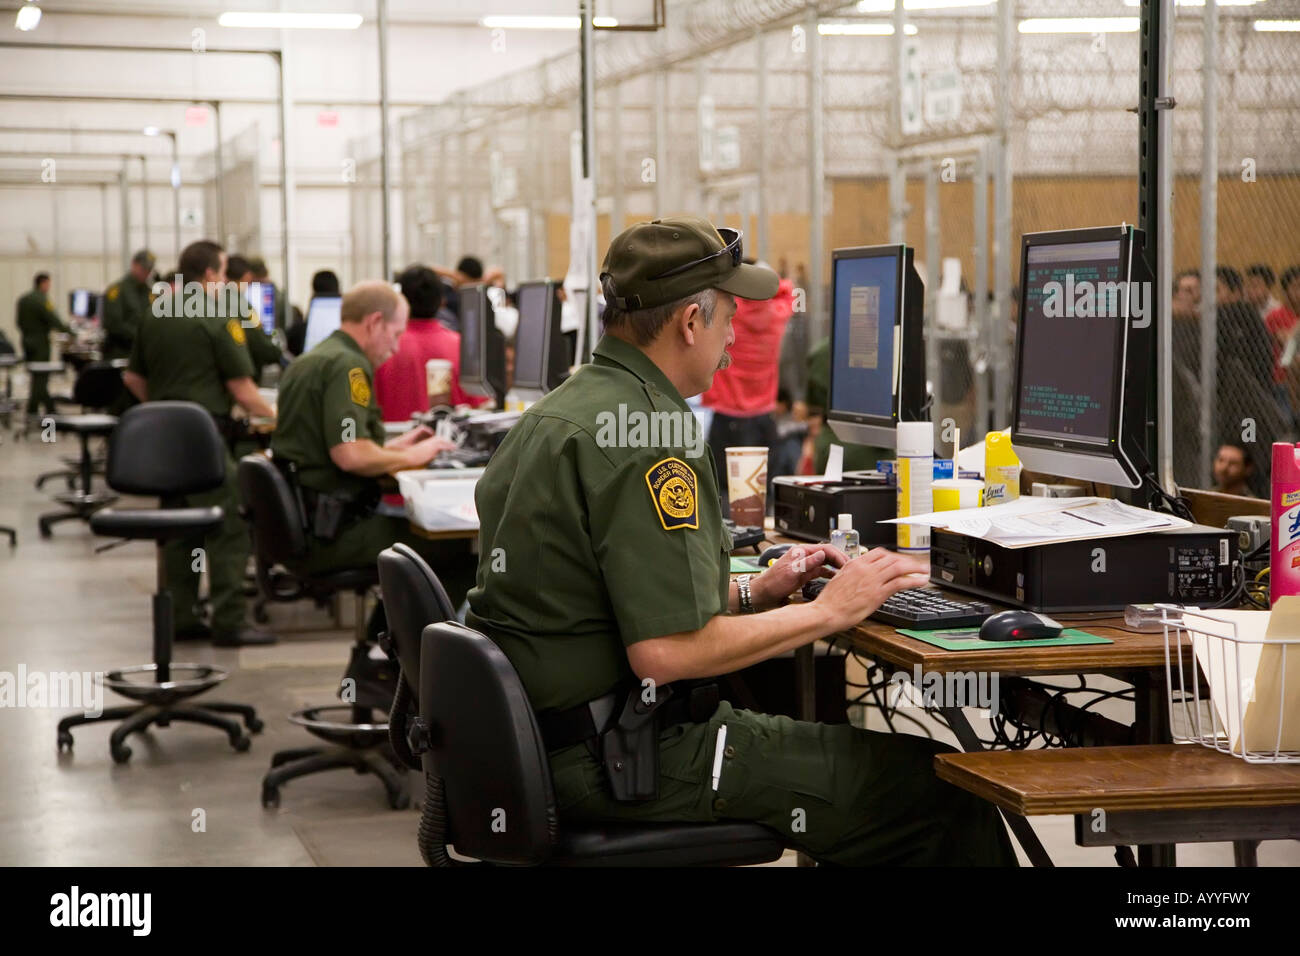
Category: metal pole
[763,246]
[103,225]
[661,143]
[144,197]
[1002,206]
[381,7]
[618,212]
[58,251]
[1165,255]
[440,202]
[985,329]
[286,187]
[897,174]
[220,176]
[589,169]
[176,194]
[125,195]
[816,183]
[933,367]
[1209,376]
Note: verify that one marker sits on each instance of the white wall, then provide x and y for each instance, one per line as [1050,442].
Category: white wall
[434,48]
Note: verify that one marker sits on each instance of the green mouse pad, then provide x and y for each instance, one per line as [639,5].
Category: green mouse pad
[744,565]
[967,639]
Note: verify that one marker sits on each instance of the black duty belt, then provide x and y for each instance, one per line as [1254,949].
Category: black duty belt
[690,704]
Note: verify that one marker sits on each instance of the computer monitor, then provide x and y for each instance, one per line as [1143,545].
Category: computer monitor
[1083,349]
[261,299]
[482,347]
[541,352]
[323,317]
[877,349]
[82,303]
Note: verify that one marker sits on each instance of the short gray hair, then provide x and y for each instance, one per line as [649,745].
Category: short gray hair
[646,324]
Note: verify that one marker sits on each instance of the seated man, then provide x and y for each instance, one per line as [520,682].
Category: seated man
[330,431]
[604,573]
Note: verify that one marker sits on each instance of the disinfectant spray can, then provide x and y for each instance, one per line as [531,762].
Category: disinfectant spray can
[1284,569]
[915,475]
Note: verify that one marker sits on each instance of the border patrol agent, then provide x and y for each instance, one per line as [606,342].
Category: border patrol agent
[604,578]
[36,319]
[126,304]
[203,358]
[330,440]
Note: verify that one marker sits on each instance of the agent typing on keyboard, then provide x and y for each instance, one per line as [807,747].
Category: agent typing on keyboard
[604,577]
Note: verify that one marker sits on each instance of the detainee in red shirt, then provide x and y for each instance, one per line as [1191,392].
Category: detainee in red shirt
[400,384]
[743,395]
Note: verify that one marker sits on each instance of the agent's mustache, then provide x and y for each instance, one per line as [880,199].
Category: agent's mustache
[725,361]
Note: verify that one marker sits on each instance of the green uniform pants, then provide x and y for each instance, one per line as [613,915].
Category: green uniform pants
[225,554]
[38,395]
[842,795]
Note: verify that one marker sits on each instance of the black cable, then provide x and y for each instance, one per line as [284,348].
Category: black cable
[1174,504]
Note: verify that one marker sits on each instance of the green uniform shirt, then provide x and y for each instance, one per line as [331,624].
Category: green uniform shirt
[591,539]
[327,397]
[262,349]
[187,358]
[126,304]
[36,320]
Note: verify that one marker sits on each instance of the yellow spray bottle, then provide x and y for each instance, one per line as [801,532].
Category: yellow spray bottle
[1001,469]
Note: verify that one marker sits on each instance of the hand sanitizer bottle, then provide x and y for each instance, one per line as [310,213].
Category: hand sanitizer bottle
[845,538]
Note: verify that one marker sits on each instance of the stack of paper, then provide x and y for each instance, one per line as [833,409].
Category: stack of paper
[1031,521]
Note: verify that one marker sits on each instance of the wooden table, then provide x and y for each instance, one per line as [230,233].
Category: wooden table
[1152,794]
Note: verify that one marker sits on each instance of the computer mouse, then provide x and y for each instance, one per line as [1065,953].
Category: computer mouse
[1019,626]
[773,555]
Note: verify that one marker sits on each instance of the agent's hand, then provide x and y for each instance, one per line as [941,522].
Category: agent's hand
[864,583]
[405,440]
[422,452]
[792,571]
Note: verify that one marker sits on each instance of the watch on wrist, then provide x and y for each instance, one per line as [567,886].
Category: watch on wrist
[742,588]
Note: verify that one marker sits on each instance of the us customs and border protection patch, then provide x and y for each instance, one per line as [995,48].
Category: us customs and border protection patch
[360,387]
[673,490]
[236,331]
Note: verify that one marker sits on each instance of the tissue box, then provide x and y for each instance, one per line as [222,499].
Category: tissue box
[441,499]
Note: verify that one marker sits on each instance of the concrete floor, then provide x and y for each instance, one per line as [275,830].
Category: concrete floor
[66,608]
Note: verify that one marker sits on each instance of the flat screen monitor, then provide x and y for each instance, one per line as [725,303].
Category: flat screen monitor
[323,317]
[877,352]
[482,347]
[541,352]
[82,303]
[261,299]
[1084,330]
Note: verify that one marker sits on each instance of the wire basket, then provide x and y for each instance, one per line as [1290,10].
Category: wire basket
[1231,691]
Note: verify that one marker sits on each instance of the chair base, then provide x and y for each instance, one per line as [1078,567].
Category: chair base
[80,508]
[135,719]
[288,765]
[11,534]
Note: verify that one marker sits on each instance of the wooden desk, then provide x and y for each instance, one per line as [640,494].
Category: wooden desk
[1167,793]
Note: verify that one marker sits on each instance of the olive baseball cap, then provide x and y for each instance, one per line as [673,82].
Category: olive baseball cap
[654,263]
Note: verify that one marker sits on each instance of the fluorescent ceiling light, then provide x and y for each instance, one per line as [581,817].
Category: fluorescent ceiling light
[543,23]
[1201,3]
[863,29]
[1080,25]
[885,6]
[28,17]
[1277,26]
[291,21]
[150,131]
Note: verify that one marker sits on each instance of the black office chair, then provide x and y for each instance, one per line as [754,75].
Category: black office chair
[482,754]
[98,386]
[353,737]
[167,449]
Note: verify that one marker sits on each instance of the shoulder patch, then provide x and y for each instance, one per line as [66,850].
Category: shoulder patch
[112,292]
[360,387]
[672,490]
[236,331]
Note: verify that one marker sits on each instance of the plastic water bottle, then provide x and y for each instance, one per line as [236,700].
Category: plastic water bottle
[1284,572]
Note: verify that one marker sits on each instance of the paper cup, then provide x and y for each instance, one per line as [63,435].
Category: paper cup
[952,494]
[437,378]
[747,485]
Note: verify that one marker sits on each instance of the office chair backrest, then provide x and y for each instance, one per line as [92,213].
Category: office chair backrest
[272,511]
[413,599]
[98,385]
[166,449]
[486,748]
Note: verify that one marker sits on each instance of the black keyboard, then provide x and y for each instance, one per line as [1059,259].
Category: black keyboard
[923,608]
[743,536]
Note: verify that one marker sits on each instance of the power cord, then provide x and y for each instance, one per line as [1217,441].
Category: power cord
[1161,500]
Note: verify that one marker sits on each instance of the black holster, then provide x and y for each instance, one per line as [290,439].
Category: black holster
[629,747]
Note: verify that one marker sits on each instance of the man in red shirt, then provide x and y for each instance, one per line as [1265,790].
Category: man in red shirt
[400,384]
[743,394]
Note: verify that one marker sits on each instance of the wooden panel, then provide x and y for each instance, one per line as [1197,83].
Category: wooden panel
[1148,777]
[1214,508]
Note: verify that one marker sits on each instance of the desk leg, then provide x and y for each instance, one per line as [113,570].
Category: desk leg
[1151,726]
[805,696]
[1019,826]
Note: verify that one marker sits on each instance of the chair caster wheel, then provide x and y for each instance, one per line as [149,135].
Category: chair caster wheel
[240,743]
[400,801]
[121,754]
[254,725]
[278,759]
[65,741]
[270,798]
[45,530]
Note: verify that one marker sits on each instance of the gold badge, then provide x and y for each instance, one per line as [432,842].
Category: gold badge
[672,489]
[360,387]
[112,293]
[236,331]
